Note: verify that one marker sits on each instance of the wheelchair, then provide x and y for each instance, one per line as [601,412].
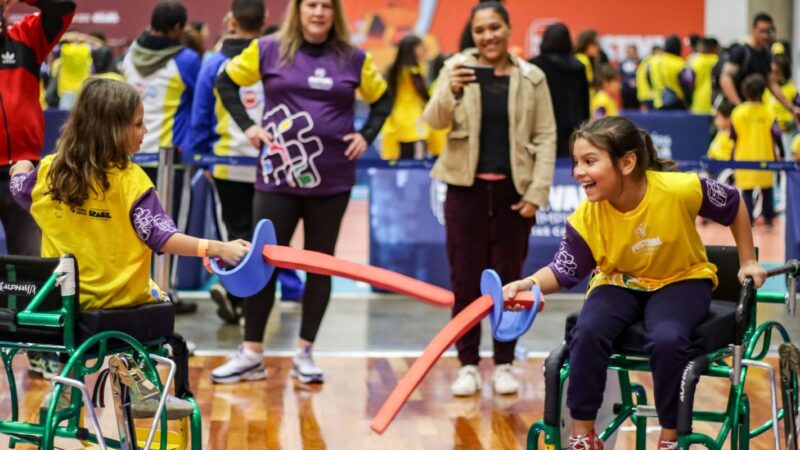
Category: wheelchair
[726,345]
[39,311]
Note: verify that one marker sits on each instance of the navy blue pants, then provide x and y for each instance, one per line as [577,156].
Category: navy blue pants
[670,315]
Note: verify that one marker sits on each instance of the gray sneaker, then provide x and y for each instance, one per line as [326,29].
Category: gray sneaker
[244,365]
[304,368]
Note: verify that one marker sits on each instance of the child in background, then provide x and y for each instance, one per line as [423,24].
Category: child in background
[782,70]
[756,134]
[90,200]
[604,100]
[721,147]
[637,228]
[404,133]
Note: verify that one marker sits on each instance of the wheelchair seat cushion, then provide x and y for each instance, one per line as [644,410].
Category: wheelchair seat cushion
[143,323]
[715,332]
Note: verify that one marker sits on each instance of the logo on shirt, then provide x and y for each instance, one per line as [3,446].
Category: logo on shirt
[93,213]
[16,185]
[320,81]
[290,158]
[565,261]
[144,221]
[716,193]
[641,231]
[8,58]
[645,246]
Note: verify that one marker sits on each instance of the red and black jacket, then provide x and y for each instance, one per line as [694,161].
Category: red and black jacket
[23,49]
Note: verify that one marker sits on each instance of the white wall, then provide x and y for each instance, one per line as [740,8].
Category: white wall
[727,20]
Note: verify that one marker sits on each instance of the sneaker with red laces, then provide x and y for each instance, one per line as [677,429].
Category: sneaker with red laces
[588,441]
[667,445]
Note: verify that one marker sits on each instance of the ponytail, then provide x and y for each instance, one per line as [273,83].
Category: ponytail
[653,161]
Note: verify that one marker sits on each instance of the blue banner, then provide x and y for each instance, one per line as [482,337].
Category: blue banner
[676,134]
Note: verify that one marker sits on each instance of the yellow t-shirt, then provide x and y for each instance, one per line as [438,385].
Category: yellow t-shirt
[114,263]
[75,67]
[783,115]
[665,68]
[721,147]
[653,245]
[603,105]
[752,126]
[796,147]
[701,65]
[587,64]
[644,91]
[405,123]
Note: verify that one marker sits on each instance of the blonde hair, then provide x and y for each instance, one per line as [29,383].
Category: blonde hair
[93,140]
[290,33]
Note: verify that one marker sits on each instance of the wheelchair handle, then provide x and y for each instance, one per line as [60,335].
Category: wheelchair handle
[792,269]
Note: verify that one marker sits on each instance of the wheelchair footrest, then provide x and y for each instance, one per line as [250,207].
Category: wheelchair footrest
[646,411]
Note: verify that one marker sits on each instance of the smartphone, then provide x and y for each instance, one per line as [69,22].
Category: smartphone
[483,74]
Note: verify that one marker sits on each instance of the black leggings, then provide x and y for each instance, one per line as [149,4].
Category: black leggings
[322,216]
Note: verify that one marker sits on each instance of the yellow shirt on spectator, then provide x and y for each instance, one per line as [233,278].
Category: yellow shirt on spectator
[603,105]
[701,66]
[752,128]
[721,147]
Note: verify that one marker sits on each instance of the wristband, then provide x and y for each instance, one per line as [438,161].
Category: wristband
[202,247]
[534,280]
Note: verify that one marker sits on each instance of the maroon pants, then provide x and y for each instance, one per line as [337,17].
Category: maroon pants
[483,232]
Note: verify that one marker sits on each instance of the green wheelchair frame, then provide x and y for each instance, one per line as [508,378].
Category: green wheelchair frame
[734,420]
[77,368]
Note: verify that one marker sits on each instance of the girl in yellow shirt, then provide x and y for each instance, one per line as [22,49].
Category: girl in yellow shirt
[90,200]
[404,133]
[757,136]
[636,232]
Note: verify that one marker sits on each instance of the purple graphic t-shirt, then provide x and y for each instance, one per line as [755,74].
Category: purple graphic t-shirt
[308,110]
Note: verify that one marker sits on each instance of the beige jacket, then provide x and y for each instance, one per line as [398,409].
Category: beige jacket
[532,129]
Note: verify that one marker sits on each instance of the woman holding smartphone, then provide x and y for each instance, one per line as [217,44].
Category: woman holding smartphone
[498,164]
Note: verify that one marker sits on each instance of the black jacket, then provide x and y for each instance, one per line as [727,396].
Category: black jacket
[569,89]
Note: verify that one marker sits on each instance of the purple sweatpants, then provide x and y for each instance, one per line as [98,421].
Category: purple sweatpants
[670,315]
[483,232]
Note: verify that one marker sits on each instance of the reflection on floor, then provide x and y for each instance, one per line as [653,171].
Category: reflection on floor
[279,413]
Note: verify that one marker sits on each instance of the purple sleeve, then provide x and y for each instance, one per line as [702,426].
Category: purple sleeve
[687,78]
[152,224]
[720,202]
[573,260]
[21,187]
[796,100]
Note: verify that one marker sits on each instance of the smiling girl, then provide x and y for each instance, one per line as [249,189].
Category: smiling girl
[636,232]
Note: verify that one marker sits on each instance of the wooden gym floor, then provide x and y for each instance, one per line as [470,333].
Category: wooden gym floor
[279,413]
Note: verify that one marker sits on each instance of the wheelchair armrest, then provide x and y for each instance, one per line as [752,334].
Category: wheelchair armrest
[34,319]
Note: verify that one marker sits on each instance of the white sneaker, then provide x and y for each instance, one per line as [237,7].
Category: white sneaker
[467,383]
[244,365]
[505,382]
[304,368]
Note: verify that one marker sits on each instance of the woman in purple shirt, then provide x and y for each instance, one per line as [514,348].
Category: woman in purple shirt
[306,168]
